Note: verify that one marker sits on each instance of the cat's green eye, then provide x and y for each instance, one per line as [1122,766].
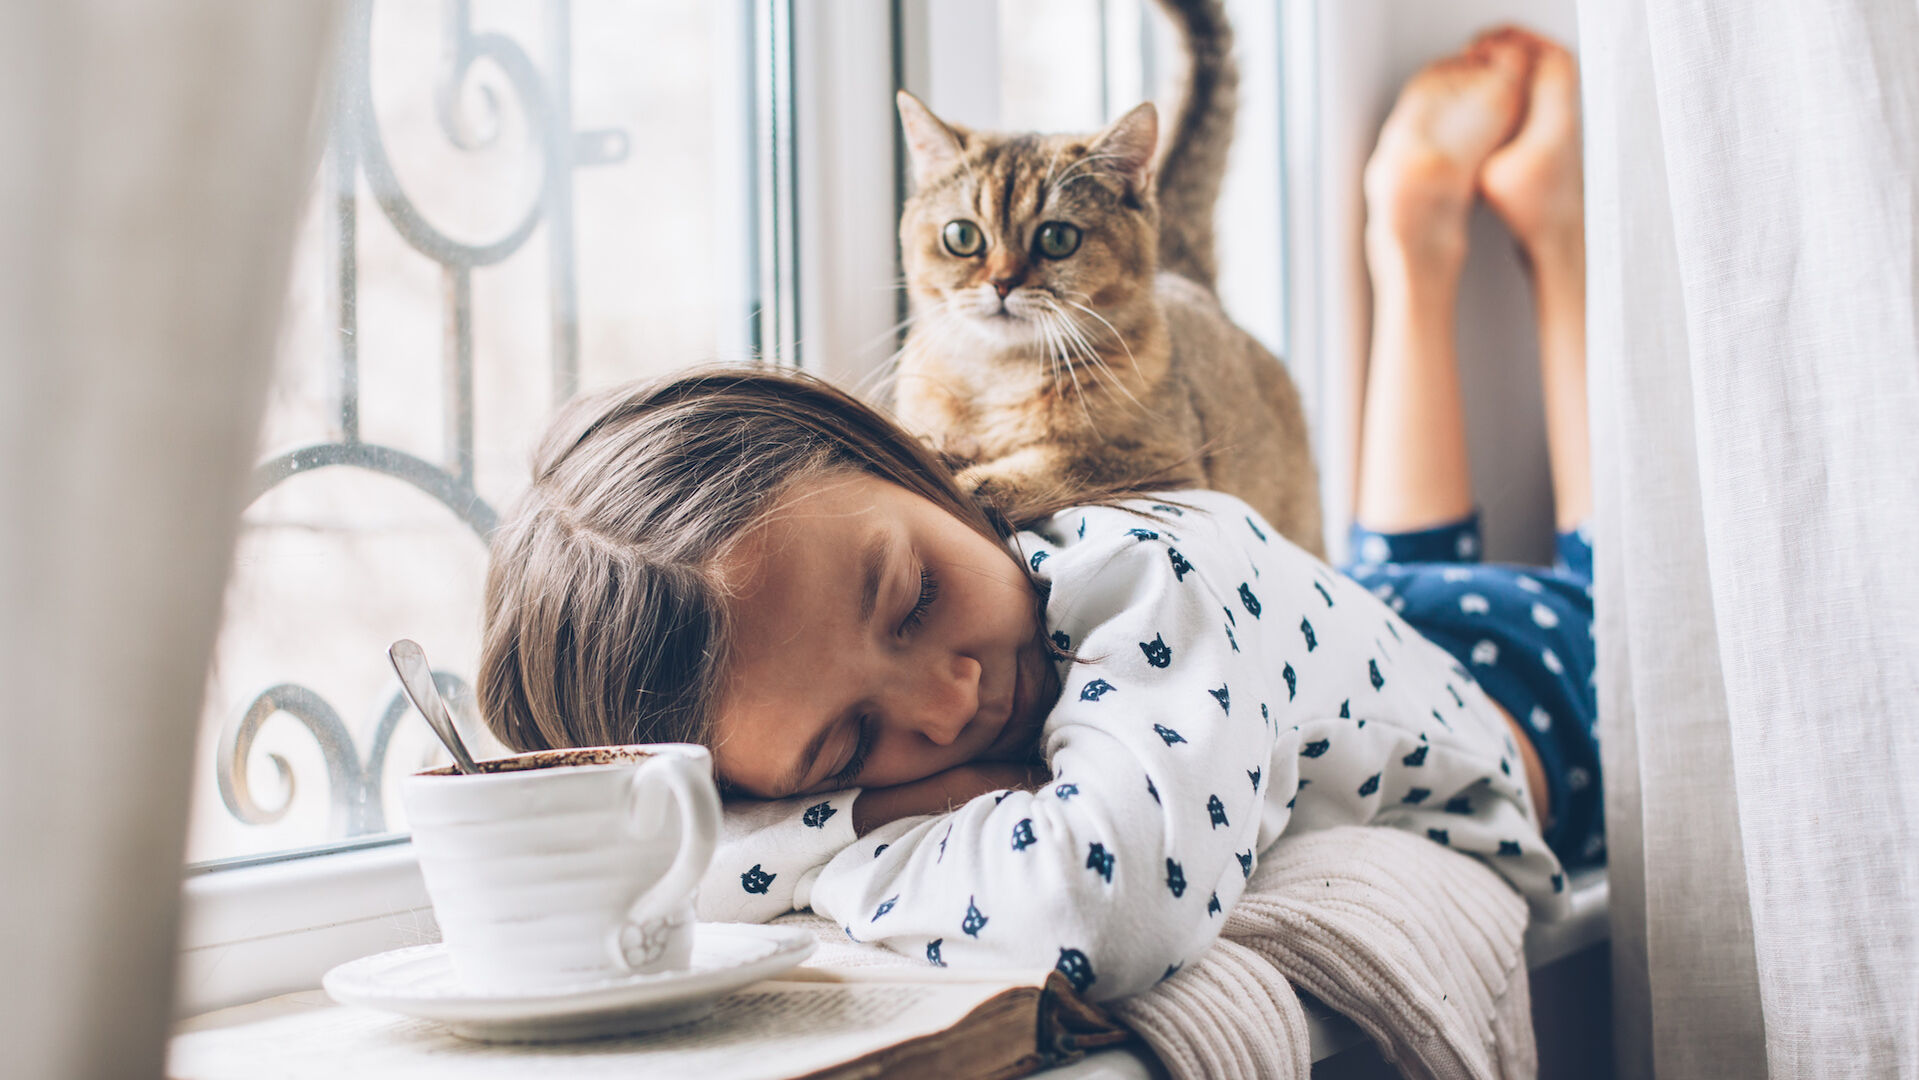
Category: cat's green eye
[963,238]
[1057,239]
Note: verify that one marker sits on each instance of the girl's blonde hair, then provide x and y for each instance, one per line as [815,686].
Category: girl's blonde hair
[605,622]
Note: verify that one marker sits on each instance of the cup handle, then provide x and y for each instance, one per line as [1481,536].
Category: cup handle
[690,780]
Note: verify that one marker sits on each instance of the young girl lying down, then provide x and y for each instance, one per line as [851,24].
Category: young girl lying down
[1060,740]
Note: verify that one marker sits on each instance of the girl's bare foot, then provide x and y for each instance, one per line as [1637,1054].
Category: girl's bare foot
[1534,181]
[1449,119]
[1420,187]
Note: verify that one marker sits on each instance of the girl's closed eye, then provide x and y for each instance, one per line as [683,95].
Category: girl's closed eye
[845,776]
[929,592]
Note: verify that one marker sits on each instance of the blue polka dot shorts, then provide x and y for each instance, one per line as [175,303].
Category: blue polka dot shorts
[1526,634]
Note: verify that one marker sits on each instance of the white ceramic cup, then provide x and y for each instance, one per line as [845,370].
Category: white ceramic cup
[566,866]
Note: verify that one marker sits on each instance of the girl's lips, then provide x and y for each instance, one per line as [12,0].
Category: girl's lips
[1017,708]
[997,747]
[1023,722]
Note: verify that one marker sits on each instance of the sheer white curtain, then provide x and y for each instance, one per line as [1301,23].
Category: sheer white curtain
[152,155]
[1753,194]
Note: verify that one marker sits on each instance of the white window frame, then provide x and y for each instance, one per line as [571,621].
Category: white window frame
[847,153]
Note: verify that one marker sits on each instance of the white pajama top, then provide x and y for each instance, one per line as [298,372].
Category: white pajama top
[1228,688]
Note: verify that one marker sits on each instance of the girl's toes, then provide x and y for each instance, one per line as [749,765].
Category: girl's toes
[1510,48]
[1534,181]
[1449,117]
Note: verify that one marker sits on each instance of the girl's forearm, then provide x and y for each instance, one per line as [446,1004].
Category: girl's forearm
[941,792]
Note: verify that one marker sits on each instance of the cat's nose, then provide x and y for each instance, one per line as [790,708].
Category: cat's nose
[1006,277]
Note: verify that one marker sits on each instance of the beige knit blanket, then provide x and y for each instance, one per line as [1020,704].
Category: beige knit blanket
[1422,947]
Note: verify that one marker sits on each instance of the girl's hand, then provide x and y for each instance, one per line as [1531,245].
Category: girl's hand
[942,792]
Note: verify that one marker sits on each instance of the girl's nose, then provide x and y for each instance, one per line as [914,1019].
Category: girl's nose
[940,699]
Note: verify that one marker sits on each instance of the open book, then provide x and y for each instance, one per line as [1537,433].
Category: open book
[811,1022]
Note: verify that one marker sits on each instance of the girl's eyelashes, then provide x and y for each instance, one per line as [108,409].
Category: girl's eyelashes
[929,592]
[853,766]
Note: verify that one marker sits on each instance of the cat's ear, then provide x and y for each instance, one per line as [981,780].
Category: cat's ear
[1127,146]
[934,145]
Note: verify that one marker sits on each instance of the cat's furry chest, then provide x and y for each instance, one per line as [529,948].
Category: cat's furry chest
[1197,401]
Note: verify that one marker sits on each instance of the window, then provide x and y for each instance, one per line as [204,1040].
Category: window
[520,201]
[517,201]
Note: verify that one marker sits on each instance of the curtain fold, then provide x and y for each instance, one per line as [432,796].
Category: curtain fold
[1752,184]
[154,157]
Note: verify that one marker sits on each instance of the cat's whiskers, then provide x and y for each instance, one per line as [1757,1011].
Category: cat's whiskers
[1072,370]
[893,331]
[1095,363]
[1047,320]
[1083,348]
[886,375]
[1110,328]
[1052,358]
[1071,342]
[1099,359]
[879,383]
[1045,347]
[885,380]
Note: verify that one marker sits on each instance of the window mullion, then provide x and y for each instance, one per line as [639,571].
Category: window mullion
[776,338]
[846,194]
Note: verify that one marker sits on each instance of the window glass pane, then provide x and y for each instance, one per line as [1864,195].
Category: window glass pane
[1053,62]
[518,200]
[1250,228]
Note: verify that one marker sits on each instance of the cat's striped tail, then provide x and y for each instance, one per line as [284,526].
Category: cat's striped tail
[1193,151]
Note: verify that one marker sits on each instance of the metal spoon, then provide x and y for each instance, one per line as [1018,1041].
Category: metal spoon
[417,678]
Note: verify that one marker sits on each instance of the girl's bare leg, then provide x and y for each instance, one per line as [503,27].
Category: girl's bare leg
[1420,185]
[1534,183]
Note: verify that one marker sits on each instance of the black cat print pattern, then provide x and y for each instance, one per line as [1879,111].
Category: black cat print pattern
[1122,874]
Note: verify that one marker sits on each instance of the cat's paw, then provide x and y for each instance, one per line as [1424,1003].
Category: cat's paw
[990,486]
[975,481]
[1029,477]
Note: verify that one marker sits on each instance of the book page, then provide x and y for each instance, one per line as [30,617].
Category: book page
[774,1029]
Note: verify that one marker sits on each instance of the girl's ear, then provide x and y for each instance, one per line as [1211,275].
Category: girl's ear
[934,145]
[1127,146]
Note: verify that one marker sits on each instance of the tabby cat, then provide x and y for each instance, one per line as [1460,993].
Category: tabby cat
[1066,335]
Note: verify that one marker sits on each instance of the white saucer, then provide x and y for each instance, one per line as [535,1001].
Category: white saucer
[419,982]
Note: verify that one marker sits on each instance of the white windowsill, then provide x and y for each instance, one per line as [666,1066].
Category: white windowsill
[254,931]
